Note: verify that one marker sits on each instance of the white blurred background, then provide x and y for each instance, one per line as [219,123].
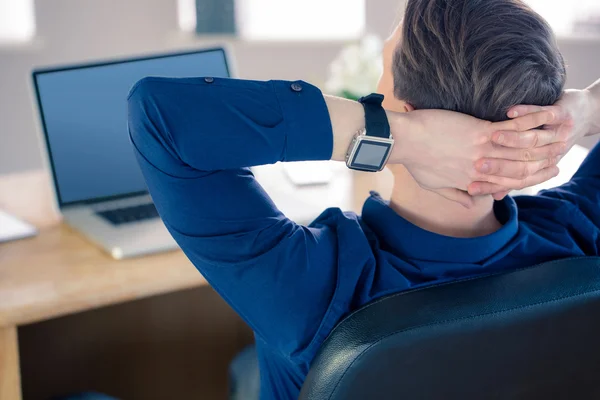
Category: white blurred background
[276,39]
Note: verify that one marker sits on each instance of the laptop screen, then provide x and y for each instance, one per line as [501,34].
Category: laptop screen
[84,116]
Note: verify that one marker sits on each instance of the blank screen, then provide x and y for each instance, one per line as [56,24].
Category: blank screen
[85,113]
[371,154]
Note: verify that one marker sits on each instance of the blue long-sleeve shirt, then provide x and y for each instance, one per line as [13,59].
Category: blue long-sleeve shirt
[195,138]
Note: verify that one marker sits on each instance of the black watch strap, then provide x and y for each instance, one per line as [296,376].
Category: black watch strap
[376,122]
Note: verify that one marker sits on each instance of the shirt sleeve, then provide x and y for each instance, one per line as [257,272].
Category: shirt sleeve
[583,190]
[582,196]
[193,139]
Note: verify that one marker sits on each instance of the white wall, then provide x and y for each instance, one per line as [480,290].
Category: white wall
[81,30]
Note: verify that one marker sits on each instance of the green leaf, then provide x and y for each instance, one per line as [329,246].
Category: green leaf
[349,95]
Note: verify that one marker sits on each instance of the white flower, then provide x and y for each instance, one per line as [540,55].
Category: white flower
[357,68]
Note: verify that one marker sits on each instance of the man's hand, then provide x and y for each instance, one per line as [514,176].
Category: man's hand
[443,151]
[576,115]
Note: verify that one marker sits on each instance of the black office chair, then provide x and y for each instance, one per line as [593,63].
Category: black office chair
[527,334]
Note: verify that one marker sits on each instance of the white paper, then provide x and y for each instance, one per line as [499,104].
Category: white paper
[12,228]
[303,173]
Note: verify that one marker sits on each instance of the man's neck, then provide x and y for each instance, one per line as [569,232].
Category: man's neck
[432,212]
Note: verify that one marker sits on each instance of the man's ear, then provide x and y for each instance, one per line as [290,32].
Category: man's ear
[408,107]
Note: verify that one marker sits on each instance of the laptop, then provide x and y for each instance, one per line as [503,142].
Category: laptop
[99,187]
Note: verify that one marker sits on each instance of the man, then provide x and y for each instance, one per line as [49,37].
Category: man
[292,284]
[444,56]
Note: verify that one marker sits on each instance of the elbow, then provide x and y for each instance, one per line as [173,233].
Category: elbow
[143,115]
[147,107]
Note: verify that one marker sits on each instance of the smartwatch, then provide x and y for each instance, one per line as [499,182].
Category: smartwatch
[371,147]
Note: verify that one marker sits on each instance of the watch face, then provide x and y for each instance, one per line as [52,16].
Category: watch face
[370,155]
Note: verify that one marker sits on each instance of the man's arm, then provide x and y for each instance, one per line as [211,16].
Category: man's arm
[583,191]
[193,139]
[441,148]
[594,91]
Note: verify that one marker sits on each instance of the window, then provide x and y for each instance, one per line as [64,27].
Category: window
[17,20]
[186,11]
[289,20]
[298,20]
[580,17]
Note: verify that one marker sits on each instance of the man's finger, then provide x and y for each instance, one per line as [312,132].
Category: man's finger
[530,139]
[516,184]
[512,169]
[484,188]
[549,151]
[458,196]
[526,122]
[524,109]
[500,195]
[519,111]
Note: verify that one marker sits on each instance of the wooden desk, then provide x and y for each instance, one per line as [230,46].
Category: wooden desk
[59,272]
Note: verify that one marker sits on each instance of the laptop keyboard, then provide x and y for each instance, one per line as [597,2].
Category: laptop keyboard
[126,215]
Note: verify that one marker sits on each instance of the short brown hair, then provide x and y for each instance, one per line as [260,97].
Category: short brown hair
[479,57]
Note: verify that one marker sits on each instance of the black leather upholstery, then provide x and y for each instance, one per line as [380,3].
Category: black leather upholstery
[527,334]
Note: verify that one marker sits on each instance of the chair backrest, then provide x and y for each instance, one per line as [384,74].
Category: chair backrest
[527,334]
